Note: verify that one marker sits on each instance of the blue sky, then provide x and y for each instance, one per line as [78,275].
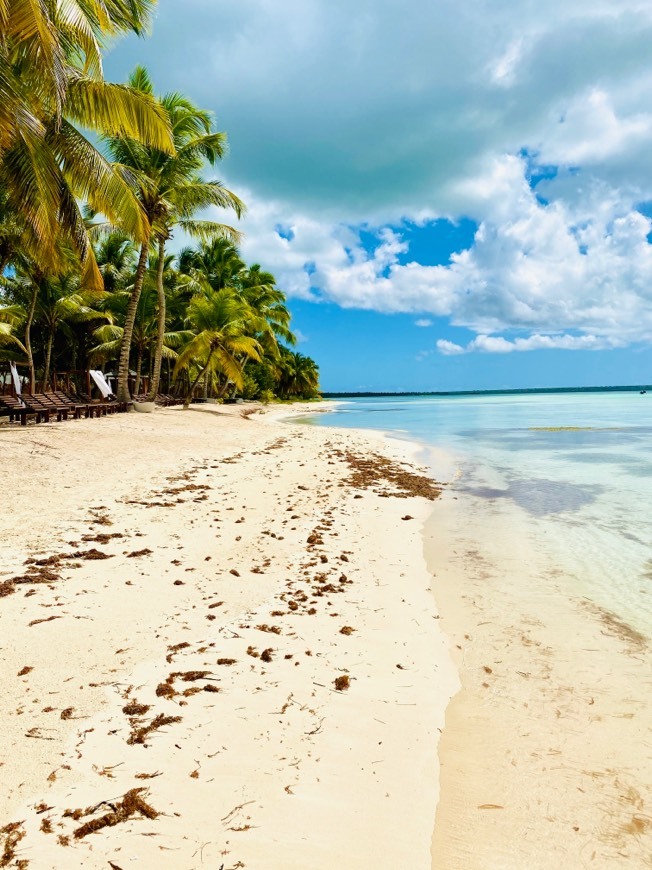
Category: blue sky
[453,198]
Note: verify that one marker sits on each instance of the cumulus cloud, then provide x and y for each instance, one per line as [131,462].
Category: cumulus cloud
[423,322]
[499,344]
[413,101]
[431,113]
[449,348]
[543,268]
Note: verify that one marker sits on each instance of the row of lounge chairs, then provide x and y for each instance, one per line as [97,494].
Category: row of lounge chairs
[43,407]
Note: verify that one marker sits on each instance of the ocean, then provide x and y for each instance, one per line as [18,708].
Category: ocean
[574,469]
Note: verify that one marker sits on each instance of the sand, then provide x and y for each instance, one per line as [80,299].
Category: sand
[231,656]
[546,756]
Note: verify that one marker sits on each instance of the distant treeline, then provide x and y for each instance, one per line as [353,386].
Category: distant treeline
[536,390]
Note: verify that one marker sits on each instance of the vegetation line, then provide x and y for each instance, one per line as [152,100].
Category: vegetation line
[86,277]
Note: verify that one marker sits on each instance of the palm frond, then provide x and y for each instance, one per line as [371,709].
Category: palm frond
[118,110]
[208,230]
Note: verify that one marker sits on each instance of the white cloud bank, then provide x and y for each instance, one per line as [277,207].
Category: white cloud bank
[498,344]
[345,114]
[548,269]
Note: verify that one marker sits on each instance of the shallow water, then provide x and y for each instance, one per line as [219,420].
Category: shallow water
[585,490]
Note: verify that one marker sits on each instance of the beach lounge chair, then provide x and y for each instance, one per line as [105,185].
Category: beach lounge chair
[15,409]
[77,409]
[46,408]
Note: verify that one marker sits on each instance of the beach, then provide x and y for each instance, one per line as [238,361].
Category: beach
[228,643]
[546,756]
[220,645]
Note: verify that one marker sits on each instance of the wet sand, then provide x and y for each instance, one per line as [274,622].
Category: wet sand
[546,756]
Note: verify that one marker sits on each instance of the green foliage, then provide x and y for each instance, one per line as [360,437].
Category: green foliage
[250,389]
[85,278]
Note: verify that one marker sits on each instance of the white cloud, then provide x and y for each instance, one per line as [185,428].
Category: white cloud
[424,114]
[498,344]
[540,268]
[423,322]
[592,132]
[366,112]
[449,348]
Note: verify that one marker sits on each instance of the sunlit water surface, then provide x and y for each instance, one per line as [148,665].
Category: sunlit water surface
[585,490]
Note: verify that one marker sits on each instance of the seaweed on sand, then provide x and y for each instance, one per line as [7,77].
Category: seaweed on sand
[133,708]
[140,733]
[376,472]
[131,804]
[189,676]
[174,649]
[13,834]
[273,629]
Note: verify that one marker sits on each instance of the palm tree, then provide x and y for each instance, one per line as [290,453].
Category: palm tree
[213,265]
[221,321]
[23,288]
[145,332]
[259,289]
[11,232]
[299,375]
[218,265]
[171,191]
[51,80]
[59,301]
[10,317]
[116,259]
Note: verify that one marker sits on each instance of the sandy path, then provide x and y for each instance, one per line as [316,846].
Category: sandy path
[229,555]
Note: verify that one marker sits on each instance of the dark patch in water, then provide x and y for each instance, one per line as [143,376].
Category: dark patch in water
[561,441]
[541,497]
[627,464]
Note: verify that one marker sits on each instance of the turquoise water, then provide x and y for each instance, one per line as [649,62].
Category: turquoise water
[585,493]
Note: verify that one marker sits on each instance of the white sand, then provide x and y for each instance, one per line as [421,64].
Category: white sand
[547,750]
[277,769]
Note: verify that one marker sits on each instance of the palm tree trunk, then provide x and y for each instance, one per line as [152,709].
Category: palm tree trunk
[48,357]
[130,320]
[28,337]
[158,352]
[223,389]
[139,368]
[188,398]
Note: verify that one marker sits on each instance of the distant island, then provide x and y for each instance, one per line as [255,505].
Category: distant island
[372,395]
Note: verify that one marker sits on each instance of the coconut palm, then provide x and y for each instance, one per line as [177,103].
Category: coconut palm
[12,229]
[259,289]
[51,80]
[116,257]
[171,191]
[221,321]
[10,317]
[58,302]
[145,332]
[213,265]
[298,375]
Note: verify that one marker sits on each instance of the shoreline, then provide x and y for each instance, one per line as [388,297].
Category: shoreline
[223,544]
[542,757]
